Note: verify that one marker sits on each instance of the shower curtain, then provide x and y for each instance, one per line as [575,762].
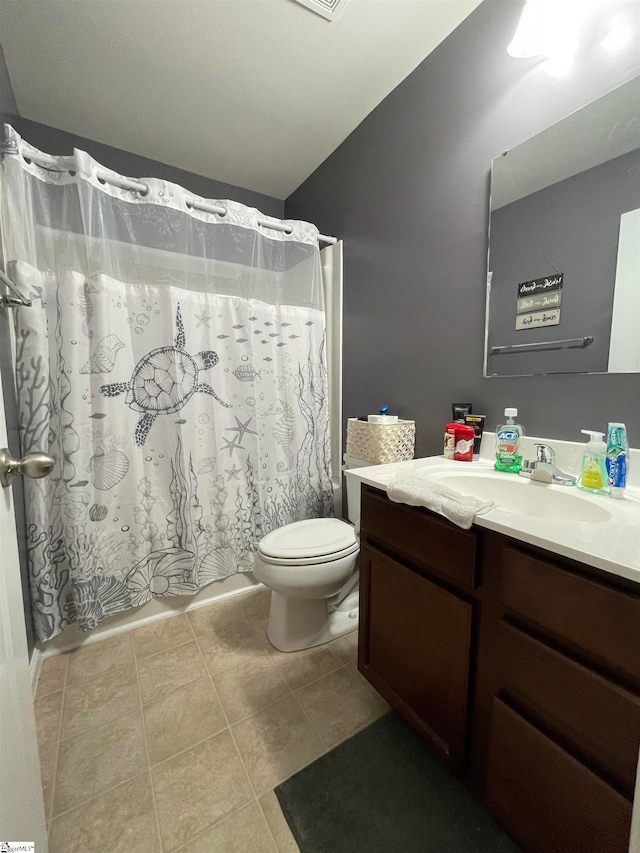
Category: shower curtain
[173,364]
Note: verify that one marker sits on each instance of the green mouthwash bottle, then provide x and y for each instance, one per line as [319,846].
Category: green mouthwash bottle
[508,435]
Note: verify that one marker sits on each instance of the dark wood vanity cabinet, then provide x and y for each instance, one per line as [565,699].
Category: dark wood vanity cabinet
[417,619]
[416,650]
[521,670]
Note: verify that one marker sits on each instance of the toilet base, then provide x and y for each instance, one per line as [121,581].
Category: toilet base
[296,624]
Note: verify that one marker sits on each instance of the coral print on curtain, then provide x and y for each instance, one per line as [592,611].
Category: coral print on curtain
[173,364]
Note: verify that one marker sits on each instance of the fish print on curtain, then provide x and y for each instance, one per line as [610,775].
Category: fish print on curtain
[184,425]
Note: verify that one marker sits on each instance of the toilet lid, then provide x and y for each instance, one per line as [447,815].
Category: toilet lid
[315,537]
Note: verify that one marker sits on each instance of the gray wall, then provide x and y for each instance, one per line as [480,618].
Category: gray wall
[576,223]
[7,98]
[408,193]
[54,141]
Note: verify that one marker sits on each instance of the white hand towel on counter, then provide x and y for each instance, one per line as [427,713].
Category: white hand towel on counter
[455,506]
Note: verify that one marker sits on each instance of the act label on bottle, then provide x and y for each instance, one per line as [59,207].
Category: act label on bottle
[507,443]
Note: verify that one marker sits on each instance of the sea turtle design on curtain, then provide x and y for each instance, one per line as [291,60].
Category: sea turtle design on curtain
[163,381]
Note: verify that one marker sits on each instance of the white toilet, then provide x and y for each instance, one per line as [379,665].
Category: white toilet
[311,569]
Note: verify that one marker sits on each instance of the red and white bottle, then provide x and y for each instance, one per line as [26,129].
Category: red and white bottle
[464,443]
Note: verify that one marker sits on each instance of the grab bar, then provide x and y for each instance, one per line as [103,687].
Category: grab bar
[570,343]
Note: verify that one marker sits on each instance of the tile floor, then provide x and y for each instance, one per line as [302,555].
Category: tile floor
[173,736]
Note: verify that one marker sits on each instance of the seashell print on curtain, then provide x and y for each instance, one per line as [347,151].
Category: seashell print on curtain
[187,414]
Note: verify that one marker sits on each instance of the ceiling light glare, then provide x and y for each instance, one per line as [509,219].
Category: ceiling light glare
[550,27]
[618,36]
[530,36]
[560,64]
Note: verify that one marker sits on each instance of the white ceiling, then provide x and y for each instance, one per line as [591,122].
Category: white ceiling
[256,93]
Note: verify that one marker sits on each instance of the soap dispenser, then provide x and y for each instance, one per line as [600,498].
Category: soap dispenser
[593,474]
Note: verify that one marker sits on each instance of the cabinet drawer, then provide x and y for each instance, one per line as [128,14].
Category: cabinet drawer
[598,718]
[598,619]
[436,544]
[546,800]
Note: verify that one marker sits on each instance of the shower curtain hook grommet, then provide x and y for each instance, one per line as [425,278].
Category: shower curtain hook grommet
[147,191]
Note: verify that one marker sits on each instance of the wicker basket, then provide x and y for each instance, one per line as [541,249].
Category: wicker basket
[380,443]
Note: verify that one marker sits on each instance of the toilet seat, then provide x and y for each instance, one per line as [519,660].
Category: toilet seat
[309,561]
[303,543]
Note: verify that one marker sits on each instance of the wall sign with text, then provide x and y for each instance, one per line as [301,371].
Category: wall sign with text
[539,302]
[538,318]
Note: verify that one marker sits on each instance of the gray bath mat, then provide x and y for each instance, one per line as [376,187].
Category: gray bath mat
[383,791]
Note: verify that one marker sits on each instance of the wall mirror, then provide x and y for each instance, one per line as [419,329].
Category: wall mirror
[563,283]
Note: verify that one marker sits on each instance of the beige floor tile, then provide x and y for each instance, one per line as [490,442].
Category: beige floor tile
[97,659]
[53,674]
[337,706]
[99,759]
[231,644]
[249,687]
[285,842]
[91,704]
[197,788]
[276,742]
[301,668]
[48,709]
[182,719]
[167,671]
[359,677]
[204,620]
[47,796]
[120,821]
[255,603]
[245,831]
[162,635]
[259,627]
[48,752]
[346,647]
[249,604]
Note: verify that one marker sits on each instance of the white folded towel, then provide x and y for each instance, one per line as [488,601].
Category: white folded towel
[455,506]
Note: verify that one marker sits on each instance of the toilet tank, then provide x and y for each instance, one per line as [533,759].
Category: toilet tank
[353,487]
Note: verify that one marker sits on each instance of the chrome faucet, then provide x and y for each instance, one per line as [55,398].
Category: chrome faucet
[543,468]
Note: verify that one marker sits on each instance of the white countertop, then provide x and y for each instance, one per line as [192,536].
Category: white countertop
[613,546]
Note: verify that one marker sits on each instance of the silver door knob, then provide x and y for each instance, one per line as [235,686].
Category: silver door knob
[34,465]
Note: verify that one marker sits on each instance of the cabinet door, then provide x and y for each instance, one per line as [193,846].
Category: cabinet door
[415,639]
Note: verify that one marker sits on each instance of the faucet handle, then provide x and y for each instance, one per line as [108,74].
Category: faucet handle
[544,453]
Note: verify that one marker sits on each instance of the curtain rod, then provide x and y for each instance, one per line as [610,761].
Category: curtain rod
[267,222]
[143,189]
[219,209]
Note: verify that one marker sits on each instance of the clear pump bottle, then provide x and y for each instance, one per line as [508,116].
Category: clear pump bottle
[593,474]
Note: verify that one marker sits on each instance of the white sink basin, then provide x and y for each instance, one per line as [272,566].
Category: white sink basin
[521,496]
